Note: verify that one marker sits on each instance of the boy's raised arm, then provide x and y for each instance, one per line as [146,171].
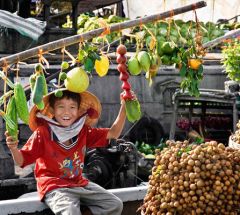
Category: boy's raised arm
[117,127]
[13,147]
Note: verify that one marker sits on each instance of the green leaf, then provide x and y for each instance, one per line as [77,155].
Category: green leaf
[81,55]
[188,149]
[198,140]
[179,153]
[94,56]
[184,85]
[86,47]
[9,82]
[88,64]
[8,120]
[183,71]
[200,69]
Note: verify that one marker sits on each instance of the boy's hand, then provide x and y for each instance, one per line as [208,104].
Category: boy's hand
[123,102]
[11,142]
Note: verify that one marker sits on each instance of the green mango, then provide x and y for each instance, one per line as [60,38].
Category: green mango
[133,110]
[168,47]
[160,41]
[144,60]
[133,66]
[148,40]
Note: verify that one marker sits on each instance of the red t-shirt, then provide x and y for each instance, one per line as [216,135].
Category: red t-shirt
[56,166]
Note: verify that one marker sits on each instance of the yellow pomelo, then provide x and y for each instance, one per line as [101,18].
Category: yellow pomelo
[77,80]
[102,65]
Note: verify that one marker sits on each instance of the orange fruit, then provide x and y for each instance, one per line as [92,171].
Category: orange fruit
[194,63]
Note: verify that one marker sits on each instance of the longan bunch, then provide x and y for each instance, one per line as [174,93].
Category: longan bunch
[194,179]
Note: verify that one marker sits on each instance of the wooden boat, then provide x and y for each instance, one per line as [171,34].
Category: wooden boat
[29,204]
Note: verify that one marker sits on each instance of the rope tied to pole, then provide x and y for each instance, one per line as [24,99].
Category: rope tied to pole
[42,59]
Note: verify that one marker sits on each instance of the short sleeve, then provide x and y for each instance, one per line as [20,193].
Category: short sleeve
[33,149]
[97,137]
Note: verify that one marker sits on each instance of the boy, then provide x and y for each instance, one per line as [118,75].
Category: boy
[61,133]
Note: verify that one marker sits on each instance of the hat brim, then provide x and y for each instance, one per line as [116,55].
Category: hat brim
[88,101]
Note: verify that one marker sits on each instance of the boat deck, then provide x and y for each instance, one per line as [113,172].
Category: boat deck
[29,204]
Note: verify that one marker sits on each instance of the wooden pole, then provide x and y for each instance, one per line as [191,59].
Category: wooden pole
[21,56]
[230,34]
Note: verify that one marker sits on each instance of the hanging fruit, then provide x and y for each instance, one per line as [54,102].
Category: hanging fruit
[64,65]
[39,70]
[21,102]
[102,65]
[133,66]
[133,109]
[77,80]
[32,81]
[152,72]
[144,60]
[38,92]
[11,112]
[38,85]
[58,93]
[62,76]
[121,50]
[194,63]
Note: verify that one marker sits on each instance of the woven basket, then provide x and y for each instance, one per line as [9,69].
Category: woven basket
[233,144]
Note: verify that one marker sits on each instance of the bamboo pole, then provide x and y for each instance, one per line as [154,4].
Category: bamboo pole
[21,56]
[230,34]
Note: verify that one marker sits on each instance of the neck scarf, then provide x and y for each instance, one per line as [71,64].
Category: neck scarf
[64,133]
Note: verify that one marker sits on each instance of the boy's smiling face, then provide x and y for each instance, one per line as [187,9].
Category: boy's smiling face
[65,111]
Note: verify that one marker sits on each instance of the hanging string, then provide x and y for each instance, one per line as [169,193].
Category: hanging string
[63,53]
[81,39]
[79,56]
[153,41]
[119,30]
[106,27]
[169,24]
[200,51]
[171,14]
[41,59]
[70,56]
[17,71]
[105,32]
